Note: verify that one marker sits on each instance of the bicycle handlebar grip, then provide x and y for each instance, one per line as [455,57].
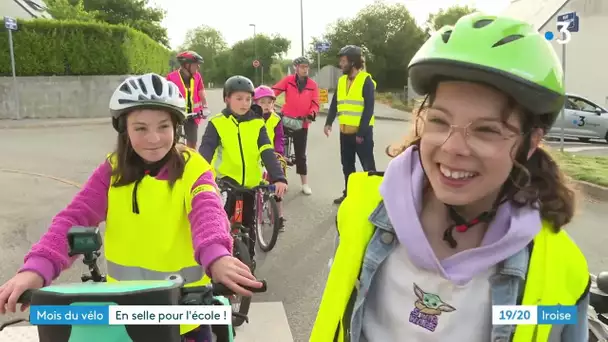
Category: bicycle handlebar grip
[26,297]
[223,290]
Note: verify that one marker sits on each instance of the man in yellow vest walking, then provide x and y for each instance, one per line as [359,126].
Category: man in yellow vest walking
[353,104]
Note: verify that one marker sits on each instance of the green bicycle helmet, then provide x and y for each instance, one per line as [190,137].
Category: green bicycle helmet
[506,53]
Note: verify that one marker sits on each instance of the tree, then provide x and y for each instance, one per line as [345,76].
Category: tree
[447,17]
[223,67]
[387,33]
[134,13]
[266,49]
[209,43]
[69,10]
[276,73]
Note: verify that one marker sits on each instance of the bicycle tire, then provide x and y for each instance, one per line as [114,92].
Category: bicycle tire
[267,246]
[241,252]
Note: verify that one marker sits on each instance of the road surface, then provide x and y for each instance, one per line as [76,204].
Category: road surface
[296,269]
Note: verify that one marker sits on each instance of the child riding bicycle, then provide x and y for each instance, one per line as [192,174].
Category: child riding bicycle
[236,142]
[148,184]
[264,97]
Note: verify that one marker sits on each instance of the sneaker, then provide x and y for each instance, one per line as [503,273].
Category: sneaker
[306,189]
[282,224]
[339,199]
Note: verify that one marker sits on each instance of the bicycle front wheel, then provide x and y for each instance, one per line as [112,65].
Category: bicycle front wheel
[267,221]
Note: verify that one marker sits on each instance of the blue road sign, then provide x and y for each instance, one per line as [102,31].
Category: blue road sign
[322,46]
[10,23]
[572,18]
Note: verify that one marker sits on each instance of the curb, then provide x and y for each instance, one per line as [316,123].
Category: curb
[596,192]
[48,123]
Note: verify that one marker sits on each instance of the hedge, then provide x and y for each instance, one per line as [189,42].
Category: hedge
[54,47]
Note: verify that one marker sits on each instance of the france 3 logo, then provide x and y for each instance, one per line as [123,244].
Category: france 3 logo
[566,25]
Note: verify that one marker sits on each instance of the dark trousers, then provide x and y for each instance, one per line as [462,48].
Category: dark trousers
[248,215]
[349,150]
[300,138]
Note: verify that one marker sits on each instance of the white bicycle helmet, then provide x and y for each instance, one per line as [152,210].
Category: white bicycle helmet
[146,91]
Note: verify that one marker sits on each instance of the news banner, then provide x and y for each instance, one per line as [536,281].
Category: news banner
[529,314]
[222,315]
[130,315]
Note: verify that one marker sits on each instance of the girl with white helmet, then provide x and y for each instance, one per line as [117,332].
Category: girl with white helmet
[162,209]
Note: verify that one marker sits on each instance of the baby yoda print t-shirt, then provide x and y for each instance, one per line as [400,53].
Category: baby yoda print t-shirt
[405,303]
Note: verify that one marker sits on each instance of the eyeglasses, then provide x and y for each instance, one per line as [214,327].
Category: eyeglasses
[484,137]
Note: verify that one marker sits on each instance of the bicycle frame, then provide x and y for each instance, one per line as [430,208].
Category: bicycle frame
[238,230]
[181,131]
[290,156]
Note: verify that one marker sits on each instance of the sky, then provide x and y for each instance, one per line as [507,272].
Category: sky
[233,17]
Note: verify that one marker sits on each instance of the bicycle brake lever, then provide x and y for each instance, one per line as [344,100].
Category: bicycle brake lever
[240,315]
[19,320]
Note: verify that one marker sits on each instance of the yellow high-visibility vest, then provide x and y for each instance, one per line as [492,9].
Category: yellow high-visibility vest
[350,100]
[157,242]
[238,155]
[557,273]
[271,124]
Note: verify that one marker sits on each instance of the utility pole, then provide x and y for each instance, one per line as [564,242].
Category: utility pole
[302,26]
[255,52]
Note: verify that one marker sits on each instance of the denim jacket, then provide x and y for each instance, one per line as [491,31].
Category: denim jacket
[506,286]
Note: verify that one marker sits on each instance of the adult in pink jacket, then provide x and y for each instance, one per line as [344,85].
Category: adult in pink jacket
[189,81]
[301,100]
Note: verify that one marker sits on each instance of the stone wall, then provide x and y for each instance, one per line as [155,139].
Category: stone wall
[57,96]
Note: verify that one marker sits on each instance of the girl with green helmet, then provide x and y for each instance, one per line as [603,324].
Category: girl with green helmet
[470,212]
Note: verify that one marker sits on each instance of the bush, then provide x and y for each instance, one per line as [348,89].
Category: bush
[54,47]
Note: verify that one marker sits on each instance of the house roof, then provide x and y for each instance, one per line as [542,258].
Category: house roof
[36,8]
[536,12]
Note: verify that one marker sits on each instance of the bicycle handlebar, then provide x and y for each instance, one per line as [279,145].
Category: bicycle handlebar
[192,116]
[226,185]
[310,117]
[222,290]
[203,293]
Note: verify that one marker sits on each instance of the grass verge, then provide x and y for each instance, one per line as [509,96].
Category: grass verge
[395,102]
[592,169]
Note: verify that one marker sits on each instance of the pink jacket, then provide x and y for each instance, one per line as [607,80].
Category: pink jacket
[49,256]
[197,104]
[298,104]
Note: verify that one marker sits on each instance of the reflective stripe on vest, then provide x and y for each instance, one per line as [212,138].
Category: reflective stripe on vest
[271,124]
[557,272]
[189,93]
[350,100]
[157,242]
[238,155]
